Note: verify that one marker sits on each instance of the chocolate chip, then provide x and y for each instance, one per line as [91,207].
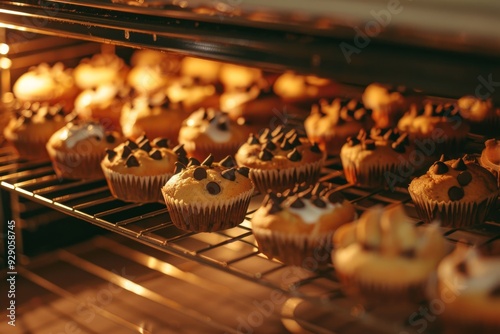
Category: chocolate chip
[270,146]
[352,141]
[464,178]
[398,147]
[315,148]
[156,155]
[290,133]
[97,138]
[179,150]
[111,154]
[295,140]
[179,166]
[222,124]
[272,198]
[319,202]
[252,140]
[459,165]
[462,268]
[208,161]
[132,162]
[110,138]
[243,171]
[404,139]
[277,131]
[183,159]
[131,144]
[391,135]
[286,145]
[265,155]
[439,168]
[228,162]
[495,292]
[265,135]
[141,139]
[200,173]
[297,203]
[161,142]
[335,197]
[146,146]
[126,152]
[408,253]
[213,188]
[294,155]
[193,162]
[455,193]
[369,145]
[229,174]
[362,134]
[279,137]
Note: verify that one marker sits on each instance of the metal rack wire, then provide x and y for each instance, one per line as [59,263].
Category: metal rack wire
[232,251]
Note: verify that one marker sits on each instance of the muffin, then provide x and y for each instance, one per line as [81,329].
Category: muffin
[380,158]
[279,159]
[210,131]
[330,124]
[47,84]
[30,127]
[237,78]
[296,227]
[303,89]
[202,71]
[77,149]
[384,256]
[468,281]
[136,170]
[388,103]
[208,196]
[481,114]
[152,115]
[103,103]
[191,94]
[438,123]
[100,69]
[490,157]
[456,192]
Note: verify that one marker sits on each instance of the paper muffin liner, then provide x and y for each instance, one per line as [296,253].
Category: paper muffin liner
[308,251]
[453,214]
[279,180]
[136,188]
[450,145]
[208,216]
[370,176]
[219,150]
[76,165]
[31,148]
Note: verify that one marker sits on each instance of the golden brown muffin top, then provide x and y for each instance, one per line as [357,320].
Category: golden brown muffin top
[199,182]
[279,149]
[311,209]
[476,109]
[455,180]
[26,115]
[143,157]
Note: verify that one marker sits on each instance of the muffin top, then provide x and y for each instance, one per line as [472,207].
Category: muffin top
[425,120]
[143,157]
[380,96]
[189,93]
[386,239]
[101,68]
[278,149]
[476,109]
[341,112]
[203,71]
[378,146]
[304,209]
[30,116]
[292,86]
[199,182]
[240,78]
[100,97]
[75,132]
[455,180]
[44,83]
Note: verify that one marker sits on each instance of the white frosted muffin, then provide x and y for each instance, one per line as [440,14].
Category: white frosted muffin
[469,282]
[384,255]
[296,227]
[47,84]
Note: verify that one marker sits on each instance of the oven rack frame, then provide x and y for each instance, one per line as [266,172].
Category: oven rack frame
[233,251]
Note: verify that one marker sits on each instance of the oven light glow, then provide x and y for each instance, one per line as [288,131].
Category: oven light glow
[4,49]
[5,63]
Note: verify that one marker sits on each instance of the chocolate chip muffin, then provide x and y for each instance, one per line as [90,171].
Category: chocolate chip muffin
[208,196]
[136,170]
[211,131]
[296,226]
[330,124]
[482,115]
[30,127]
[456,193]
[279,159]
